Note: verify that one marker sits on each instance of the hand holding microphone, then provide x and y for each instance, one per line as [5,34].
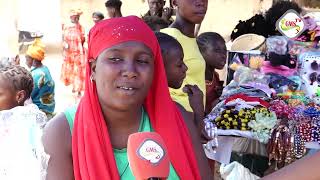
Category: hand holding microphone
[148,157]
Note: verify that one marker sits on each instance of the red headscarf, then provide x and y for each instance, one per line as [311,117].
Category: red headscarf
[91,147]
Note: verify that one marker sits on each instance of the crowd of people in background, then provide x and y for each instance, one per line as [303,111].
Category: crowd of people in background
[152,73]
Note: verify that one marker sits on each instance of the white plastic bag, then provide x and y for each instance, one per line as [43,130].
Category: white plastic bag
[236,171]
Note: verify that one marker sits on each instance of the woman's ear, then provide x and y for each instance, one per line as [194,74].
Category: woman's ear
[93,65]
[21,97]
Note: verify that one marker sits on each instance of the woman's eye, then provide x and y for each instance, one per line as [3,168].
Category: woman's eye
[114,59]
[142,61]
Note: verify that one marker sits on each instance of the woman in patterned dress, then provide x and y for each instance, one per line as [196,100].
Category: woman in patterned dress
[73,67]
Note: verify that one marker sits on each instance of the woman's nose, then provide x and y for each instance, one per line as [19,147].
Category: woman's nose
[129,70]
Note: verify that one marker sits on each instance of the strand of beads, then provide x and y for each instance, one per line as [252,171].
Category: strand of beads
[304,130]
[280,146]
[299,146]
[315,130]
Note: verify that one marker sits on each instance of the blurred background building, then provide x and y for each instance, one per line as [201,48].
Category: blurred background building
[49,15]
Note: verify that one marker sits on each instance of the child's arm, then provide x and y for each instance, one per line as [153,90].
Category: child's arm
[196,142]
[196,102]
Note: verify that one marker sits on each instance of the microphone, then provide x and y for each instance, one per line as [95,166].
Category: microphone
[148,156]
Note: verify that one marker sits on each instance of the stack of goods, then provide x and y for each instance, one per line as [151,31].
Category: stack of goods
[244,106]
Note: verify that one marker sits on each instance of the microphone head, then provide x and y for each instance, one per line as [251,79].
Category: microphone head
[148,156]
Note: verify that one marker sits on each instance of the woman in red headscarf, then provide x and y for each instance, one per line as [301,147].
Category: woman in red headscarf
[126,92]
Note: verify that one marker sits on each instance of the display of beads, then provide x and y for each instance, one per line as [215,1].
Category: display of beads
[299,146]
[304,131]
[315,131]
[312,112]
[298,114]
[281,146]
[295,102]
[281,108]
[233,119]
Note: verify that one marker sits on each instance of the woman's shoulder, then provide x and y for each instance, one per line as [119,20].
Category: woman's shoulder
[57,144]
[57,136]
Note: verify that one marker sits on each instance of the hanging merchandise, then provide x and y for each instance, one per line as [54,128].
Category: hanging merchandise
[310,72]
[281,146]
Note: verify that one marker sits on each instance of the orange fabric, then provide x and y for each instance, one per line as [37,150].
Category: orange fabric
[36,50]
[73,67]
[91,147]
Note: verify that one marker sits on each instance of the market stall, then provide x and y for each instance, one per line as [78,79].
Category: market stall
[271,106]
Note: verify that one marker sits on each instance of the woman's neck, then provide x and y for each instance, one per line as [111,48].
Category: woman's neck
[118,14]
[186,27]
[121,124]
[122,121]
[37,64]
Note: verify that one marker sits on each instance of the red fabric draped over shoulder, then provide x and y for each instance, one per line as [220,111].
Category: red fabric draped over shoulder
[92,152]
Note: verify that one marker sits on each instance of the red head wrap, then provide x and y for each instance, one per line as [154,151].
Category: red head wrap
[91,147]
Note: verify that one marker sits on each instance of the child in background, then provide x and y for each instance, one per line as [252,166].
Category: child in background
[188,14]
[155,23]
[16,86]
[172,55]
[97,16]
[21,151]
[213,49]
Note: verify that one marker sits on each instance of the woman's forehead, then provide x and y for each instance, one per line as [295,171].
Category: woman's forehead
[131,46]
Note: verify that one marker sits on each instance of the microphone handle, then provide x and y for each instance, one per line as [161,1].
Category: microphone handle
[154,178]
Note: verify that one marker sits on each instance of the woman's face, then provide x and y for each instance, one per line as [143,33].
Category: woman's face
[123,75]
[7,95]
[75,19]
[192,10]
